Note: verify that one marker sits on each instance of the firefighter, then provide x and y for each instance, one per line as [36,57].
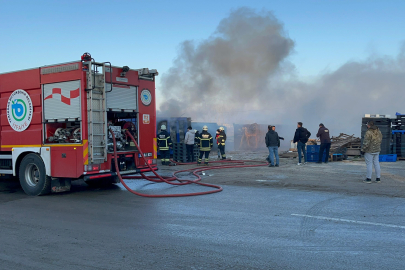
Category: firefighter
[205,143]
[221,142]
[164,144]
[216,138]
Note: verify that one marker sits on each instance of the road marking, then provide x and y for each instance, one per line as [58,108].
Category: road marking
[351,221]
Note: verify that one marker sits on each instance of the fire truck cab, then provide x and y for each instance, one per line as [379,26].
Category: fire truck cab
[56,123]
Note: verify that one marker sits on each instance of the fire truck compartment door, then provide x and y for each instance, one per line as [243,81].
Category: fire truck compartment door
[122,97]
[62,100]
[64,162]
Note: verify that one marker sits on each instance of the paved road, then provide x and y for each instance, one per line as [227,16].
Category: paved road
[239,228]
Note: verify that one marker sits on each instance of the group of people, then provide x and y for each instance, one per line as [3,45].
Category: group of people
[371,147]
[301,137]
[204,141]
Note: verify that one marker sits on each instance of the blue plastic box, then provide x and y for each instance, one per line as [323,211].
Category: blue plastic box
[388,158]
[314,157]
[313,149]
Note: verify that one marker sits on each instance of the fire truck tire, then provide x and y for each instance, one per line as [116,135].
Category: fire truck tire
[33,178]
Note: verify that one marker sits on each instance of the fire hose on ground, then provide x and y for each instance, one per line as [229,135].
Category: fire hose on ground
[179,182]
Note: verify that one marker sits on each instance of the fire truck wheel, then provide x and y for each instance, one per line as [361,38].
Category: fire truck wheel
[33,178]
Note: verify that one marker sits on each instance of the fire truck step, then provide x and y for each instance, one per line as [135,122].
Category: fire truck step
[127,172]
[5,156]
[6,171]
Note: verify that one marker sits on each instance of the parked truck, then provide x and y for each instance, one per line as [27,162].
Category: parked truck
[56,123]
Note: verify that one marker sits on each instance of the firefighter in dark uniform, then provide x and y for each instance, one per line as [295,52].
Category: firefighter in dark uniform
[204,141]
[164,144]
[221,142]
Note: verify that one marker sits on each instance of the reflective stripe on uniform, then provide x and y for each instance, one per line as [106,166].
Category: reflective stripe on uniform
[165,145]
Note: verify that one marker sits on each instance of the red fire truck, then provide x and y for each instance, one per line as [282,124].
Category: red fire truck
[56,123]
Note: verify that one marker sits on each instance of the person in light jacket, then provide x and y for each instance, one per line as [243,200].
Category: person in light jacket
[371,149]
[190,141]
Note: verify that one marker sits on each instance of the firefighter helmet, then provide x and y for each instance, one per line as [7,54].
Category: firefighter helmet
[163,127]
[205,128]
[221,128]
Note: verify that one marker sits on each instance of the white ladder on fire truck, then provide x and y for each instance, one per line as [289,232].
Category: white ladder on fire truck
[96,112]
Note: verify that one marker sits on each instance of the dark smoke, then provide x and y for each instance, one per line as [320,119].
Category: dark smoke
[229,71]
[241,74]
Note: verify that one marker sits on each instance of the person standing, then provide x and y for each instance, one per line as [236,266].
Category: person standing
[205,143]
[216,138]
[371,149]
[301,138]
[164,144]
[272,143]
[324,136]
[189,141]
[221,142]
[274,129]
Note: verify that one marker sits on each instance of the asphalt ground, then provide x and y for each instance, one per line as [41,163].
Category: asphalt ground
[251,224]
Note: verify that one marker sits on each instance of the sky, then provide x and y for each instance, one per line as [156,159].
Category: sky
[147,33]
[327,34]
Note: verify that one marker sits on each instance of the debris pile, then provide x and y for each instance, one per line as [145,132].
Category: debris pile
[346,144]
[249,137]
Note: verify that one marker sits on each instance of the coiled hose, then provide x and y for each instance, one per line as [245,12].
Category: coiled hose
[170,180]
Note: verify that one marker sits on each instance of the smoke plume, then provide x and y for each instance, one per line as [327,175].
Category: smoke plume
[229,71]
[241,74]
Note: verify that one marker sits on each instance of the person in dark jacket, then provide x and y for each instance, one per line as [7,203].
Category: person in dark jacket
[301,138]
[221,142]
[274,129]
[272,143]
[205,142]
[216,138]
[164,143]
[323,134]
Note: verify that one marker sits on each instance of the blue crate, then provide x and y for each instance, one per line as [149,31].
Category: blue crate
[388,158]
[337,157]
[314,157]
[313,148]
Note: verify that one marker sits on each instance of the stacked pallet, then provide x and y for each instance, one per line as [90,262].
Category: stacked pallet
[384,124]
[398,136]
[180,152]
[344,141]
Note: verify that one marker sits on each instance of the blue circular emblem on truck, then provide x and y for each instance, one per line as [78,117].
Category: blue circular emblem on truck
[19,110]
[146,97]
